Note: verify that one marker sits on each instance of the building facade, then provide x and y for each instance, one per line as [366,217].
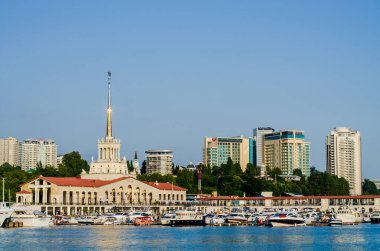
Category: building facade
[10,151]
[77,196]
[106,186]
[343,151]
[258,147]
[216,151]
[35,151]
[159,161]
[288,151]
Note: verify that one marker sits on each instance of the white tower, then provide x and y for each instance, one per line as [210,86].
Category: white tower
[109,165]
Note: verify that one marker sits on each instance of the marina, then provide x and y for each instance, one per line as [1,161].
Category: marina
[353,237]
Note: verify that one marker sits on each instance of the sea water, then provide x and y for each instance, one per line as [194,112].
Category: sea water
[358,237]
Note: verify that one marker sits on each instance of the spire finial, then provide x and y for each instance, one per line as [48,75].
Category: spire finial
[109,110]
[135,155]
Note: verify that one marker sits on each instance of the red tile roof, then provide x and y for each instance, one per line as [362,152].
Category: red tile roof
[78,182]
[165,186]
[24,192]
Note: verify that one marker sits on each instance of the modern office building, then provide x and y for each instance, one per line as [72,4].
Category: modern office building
[159,161]
[343,148]
[288,151]
[258,145]
[216,151]
[10,151]
[34,151]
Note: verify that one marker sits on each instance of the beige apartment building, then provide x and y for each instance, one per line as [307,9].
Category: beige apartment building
[159,161]
[10,151]
[216,151]
[288,151]
[34,151]
[343,148]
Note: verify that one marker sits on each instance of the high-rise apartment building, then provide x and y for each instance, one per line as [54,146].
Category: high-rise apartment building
[343,148]
[34,151]
[10,151]
[217,150]
[288,151]
[159,161]
[258,145]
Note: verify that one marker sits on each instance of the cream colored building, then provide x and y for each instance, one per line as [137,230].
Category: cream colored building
[159,161]
[77,196]
[34,151]
[288,151]
[107,185]
[343,147]
[216,151]
[9,151]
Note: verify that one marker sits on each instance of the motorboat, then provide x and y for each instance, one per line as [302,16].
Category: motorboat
[218,219]
[111,220]
[347,216]
[165,219]
[32,218]
[187,218]
[285,220]
[335,222]
[133,215]
[86,220]
[143,221]
[5,213]
[311,217]
[375,217]
[237,217]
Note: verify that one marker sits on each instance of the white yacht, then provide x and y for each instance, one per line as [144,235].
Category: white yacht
[237,217]
[5,213]
[166,219]
[286,220]
[347,216]
[31,218]
[187,218]
[218,219]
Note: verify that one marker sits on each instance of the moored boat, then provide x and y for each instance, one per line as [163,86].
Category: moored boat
[187,218]
[346,216]
[165,219]
[375,217]
[335,222]
[31,218]
[5,213]
[285,220]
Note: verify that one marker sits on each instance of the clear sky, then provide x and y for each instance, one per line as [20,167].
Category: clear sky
[182,70]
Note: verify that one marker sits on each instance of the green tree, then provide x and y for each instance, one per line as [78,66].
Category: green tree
[143,167]
[369,188]
[74,163]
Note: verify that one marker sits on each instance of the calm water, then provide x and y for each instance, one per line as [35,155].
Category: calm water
[360,237]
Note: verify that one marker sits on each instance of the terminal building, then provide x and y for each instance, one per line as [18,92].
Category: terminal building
[107,185]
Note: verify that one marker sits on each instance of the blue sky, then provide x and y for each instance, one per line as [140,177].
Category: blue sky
[183,70]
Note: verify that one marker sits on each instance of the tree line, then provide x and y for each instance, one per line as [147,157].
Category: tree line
[226,179]
[229,179]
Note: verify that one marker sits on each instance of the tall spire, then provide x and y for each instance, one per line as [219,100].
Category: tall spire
[109,110]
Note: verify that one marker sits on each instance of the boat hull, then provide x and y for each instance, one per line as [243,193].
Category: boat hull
[34,222]
[375,220]
[286,223]
[4,215]
[178,223]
